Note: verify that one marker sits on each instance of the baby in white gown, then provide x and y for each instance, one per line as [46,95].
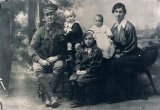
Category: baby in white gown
[103,35]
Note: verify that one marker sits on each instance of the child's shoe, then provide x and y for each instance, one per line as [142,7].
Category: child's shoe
[76,103]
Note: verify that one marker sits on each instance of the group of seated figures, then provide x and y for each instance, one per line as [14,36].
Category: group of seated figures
[102,57]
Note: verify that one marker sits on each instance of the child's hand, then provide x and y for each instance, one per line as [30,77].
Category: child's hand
[83,72]
[78,72]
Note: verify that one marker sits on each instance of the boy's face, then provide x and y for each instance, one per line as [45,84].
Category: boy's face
[98,21]
[70,17]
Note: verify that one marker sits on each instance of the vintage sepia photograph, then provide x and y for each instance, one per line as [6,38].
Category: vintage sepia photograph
[79,54]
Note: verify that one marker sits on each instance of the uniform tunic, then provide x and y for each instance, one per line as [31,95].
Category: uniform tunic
[47,42]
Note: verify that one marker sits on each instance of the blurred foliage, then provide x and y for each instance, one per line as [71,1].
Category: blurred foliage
[19,34]
[20,37]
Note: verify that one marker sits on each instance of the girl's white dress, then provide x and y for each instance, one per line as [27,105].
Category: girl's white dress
[103,41]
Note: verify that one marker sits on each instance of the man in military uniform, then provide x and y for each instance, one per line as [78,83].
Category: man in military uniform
[47,50]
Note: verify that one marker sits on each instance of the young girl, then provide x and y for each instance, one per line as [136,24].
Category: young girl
[73,32]
[87,67]
[103,37]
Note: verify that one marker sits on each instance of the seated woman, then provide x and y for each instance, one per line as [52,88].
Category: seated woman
[86,70]
[121,80]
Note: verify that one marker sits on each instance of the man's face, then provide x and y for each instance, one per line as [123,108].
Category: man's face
[119,14]
[49,17]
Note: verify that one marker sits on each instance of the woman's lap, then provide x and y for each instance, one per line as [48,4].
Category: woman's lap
[121,75]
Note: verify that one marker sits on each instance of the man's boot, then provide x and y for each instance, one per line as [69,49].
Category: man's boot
[55,82]
[47,101]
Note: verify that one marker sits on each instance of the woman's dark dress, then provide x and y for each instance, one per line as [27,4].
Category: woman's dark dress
[121,80]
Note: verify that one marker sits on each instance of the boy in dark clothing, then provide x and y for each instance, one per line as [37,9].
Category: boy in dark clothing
[73,32]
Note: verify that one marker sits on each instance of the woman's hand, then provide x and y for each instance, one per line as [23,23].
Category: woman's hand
[51,60]
[44,63]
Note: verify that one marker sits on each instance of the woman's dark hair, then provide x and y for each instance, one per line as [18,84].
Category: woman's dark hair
[88,32]
[119,5]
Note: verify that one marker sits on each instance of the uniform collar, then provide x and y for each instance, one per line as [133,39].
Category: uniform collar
[50,26]
[66,24]
[123,23]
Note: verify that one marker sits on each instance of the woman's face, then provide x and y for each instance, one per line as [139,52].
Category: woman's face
[88,40]
[119,14]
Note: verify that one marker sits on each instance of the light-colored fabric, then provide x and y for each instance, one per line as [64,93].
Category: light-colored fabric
[68,26]
[103,41]
[103,30]
[123,23]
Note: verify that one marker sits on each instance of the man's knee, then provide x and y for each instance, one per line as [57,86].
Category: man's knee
[58,67]
[38,69]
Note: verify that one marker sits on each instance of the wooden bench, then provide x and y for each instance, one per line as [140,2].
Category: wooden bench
[2,84]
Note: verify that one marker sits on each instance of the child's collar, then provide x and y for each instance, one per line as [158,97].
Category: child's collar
[67,24]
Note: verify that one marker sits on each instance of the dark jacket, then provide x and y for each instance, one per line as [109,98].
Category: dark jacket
[43,45]
[75,36]
[126,39]
[89,62]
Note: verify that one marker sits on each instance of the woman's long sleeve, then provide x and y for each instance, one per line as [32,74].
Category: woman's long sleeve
[131,39]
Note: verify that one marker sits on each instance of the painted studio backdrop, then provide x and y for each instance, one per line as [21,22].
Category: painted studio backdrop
[20,18]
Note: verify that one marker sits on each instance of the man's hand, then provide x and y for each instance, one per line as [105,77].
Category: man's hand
[51,60]
[43,62]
